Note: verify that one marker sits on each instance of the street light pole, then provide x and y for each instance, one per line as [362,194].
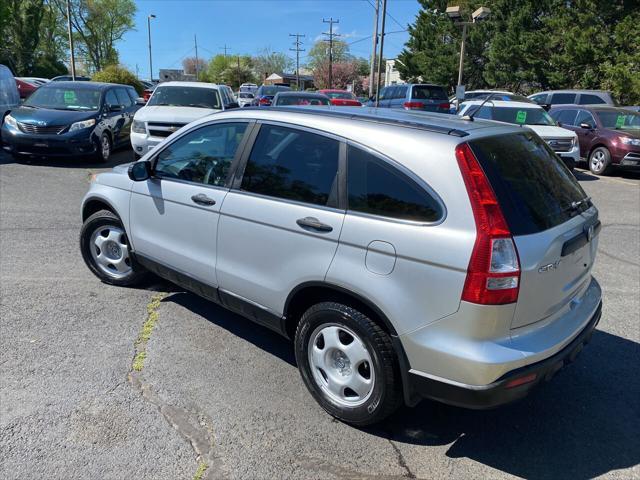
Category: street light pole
[73,58]
[374,49]
[384,16]
[149,17]
[464,37]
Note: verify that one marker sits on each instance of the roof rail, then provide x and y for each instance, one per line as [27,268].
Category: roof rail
[368,118]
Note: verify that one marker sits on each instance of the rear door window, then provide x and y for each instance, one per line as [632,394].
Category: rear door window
[534,188]
[293,164]
[566,117]
[563,98]
[428,92]
[585,117]
[377,188]
[588,99]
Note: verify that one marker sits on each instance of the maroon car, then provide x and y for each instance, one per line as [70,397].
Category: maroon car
[609,136]
[25,89]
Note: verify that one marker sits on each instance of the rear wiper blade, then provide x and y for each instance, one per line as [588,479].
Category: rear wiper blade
[575,205]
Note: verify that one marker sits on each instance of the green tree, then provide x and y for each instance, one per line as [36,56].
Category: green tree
[319,53]
[268,62]
[216,68]
[118,74]
[98,25]
[20,23]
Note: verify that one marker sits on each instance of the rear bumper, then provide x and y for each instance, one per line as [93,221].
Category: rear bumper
[506,389]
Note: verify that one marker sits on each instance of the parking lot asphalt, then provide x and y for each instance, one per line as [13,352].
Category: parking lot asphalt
[219,391]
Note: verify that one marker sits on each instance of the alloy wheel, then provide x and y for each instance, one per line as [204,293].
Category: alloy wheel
[110,251]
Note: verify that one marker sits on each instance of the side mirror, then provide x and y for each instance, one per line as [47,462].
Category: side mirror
[115,108]
[559,124]
[586,126]
[140,101]
[140,171]
[546,106]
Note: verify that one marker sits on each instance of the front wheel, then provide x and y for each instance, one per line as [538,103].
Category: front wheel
[347,363]
[600,161]
[105,250]
[104,148]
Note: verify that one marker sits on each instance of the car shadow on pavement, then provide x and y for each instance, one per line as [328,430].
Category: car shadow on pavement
[260,336]
[584,176]
[582,424]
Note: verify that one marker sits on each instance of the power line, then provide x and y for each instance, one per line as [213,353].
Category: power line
[388,15]
[331,21]
[297,49]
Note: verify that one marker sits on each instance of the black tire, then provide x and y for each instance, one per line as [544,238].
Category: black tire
[102,153]
[600,161]
[105,219]
[385,395]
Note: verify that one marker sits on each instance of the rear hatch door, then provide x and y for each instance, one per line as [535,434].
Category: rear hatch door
[553,222]
[432,97]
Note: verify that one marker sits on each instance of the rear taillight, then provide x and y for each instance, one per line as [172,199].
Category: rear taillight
[493,276]
[265,101]
[445,106]
[410,105]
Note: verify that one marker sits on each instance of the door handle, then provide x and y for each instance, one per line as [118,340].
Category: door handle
[202,199]
[313,223]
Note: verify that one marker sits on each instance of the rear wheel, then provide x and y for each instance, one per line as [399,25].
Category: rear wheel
[600,161]
[105,250]
[348,363]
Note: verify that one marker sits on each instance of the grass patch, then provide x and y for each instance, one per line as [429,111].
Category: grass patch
[202,467]
[147,329]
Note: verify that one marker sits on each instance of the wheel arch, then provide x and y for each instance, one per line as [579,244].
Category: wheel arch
[95,204]
[306,294]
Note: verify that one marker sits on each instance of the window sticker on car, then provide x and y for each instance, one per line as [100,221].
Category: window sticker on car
[521,116]
[620,121]
[69,96]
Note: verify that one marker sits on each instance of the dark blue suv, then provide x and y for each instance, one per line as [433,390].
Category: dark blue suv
[66,119]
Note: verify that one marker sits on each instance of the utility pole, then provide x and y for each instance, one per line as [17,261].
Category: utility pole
[384,17]
[297,43]
[374,49]
[331,21]
[195,41]
[73,58]
[149,17]
[225,48]
[137,72]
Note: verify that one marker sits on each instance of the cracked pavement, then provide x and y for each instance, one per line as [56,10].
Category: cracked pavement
[220,387]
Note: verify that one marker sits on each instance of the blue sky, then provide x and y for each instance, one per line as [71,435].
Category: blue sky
[247,26]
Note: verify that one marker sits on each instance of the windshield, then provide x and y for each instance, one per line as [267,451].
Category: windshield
[534,188]
[520,116]
[273,89]
[301,100]
[185,97]
[65,98]
[619,120]
[345,95]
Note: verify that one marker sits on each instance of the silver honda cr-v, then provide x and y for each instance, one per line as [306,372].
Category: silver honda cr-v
[407,255]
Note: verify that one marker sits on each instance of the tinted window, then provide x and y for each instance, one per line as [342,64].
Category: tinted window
[293,164]
[111,98]
[522,116]
[540,99]
[586,99]
[428,92]
[534,188]
[585,117]
[185,97]
[401,92]
[202,156]
[123,97]
[133,94]
[566,117]
[562,98]
[301,100]
[378,188]
[272,89]
[384,93]
[65,98]
[618,119]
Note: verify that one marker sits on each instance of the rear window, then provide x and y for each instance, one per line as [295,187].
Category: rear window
[586,99]
[428,92]
[534,188]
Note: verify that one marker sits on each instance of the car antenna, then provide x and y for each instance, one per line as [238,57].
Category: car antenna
[470,117]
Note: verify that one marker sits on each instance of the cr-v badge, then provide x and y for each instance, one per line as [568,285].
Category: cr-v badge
[549,267]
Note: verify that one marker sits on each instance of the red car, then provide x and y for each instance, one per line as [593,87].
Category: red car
[341,98]
[25,88]
[609,136]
